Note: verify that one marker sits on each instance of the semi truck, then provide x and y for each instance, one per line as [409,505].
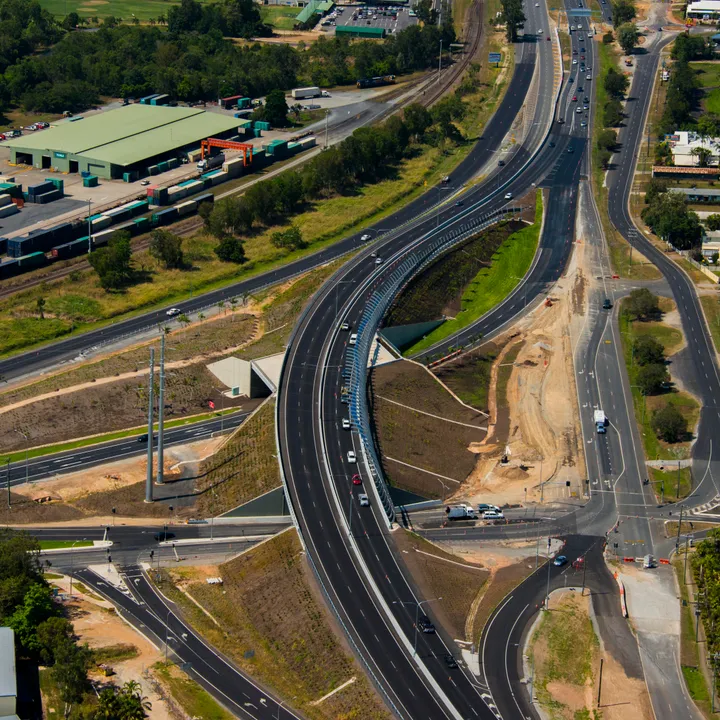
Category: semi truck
[461,512]
[600,421]
[309,92]
[211,162]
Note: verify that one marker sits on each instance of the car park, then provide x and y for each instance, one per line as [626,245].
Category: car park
[351,456]
[172,312]
[560,560]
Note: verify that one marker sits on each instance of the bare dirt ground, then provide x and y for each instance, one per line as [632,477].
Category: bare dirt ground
[424,432]
[101,627]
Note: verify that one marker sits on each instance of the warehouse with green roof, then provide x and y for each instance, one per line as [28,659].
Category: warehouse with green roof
[115,142]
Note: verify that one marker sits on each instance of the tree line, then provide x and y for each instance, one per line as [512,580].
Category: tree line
[191,59]
[45,636]
[667,214]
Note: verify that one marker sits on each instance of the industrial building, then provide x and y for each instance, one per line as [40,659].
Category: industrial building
[703,9]
[127,140]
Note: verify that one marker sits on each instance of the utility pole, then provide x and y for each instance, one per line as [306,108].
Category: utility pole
[677,493]
[687,543]
[547,594]
[327,115]
[161,409]
[440,60]
[8,481]
[677,540]
[89,229]
[149,476]
[600,681]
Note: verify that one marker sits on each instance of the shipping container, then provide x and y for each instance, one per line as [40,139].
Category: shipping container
[71,249]
[33,260]
[243,103]
[160,100]
[186,208]
[228,102]
[146,100]
[173,163]
[143,224]
[5,199]
[8,269]
[3,245]
[90,181]
[9,210]
[100,222]
[162,167]
[220,178]
[62,233]
[165,217]
[153,170]
[59,183]
[131,176]
[207,197]
[48,197]
[307,142]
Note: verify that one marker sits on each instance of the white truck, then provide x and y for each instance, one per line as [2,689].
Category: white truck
[309,92]
[461,512]
[600,421]
[211,162]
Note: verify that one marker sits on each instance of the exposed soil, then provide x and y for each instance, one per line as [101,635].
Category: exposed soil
[425,442]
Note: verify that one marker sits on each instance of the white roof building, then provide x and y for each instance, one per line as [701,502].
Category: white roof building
[683,142]
[704,9]
[8,676]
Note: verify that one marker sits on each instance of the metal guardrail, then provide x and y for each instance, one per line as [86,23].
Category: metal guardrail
[377,306]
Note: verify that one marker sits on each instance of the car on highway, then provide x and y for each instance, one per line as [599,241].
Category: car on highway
[351,456]
[508,196]
[164,536]
[571,80]
[459,203]
[571,149]
[574,52]
[353,339]
[560,560]
[172,312]
[356,479]
[450,661]
[540,31]
[574,98]
[607,305]
[587,99]
[346,423]
[574,61]
[583,124]
[378,261]
[588,76]
[365,238]
[501,163]
[364,500]
[551,144]
[486,507]
[493,515]
[578,110]
[425,625]
[345,326]
[582,49]
[548,37]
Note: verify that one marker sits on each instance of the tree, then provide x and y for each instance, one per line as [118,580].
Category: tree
[656,186]
[612,113]
[607,139]
[513,17]
[70,672]
[669,424]
[425,12]
[71,21]
[231,249]
[648,351]
[51,634]
[417,120]
[605,156]
[652,378]
[125,703]
[702,154]
[167,247]
[712,222]
[290,239]
[40,304]
[627,37]
[615,83]
[37,606]
[641,304]
[668,217]
[708,125]
[113,263]
[623,11]
[275,110]
[608,38]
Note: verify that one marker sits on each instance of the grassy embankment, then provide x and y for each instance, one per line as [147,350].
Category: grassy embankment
[623,262]
[244,468]
[295,653]
[492,284]
[644,406]
[195,701]
[711,307]
[689,649]
[562,653]
[77,303]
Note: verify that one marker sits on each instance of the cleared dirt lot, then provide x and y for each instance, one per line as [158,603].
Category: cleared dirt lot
[423,431]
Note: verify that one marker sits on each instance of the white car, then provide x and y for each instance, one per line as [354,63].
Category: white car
[353,339]
[578,110]
[364,500]
[351,457]
[346,423]
[172,312]
[588,77]
[574,61]
[540,31]
[378,261]
[345,326]
[365,238]
[493,515]
[508,196]
[144,182]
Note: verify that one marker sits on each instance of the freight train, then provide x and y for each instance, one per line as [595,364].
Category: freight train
[42,247]
[376,81]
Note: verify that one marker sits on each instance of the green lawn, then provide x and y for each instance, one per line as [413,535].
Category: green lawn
[708,74]
[57,544]
[711,101]
[668,480]
[493,284]
[281,17]
[191,697]
[711,306]
[144,10]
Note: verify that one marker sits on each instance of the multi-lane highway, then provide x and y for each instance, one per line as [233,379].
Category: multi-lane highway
[68,461]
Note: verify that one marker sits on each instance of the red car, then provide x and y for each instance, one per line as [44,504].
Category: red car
[356,479]
[574,98]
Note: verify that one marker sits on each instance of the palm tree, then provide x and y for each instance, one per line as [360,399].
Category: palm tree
[702,154]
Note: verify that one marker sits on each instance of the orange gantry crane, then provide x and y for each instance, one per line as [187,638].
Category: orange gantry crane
[247,150]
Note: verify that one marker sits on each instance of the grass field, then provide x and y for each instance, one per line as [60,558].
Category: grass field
[282,17]
[492,284]
[143,10]
[711,101]
[711,307]
[115,653]
[644,406]
[708,74]
[195,701]
[57,544]
[666,486]
[296,652]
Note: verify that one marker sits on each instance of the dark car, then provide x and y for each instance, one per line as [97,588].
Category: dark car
[501,163]
[607,305]
[459,203]
[143,438]
[450,661]
[425,625]
[571,149]
[551,144]
[164,536]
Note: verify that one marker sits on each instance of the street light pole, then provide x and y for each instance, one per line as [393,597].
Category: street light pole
[547,594]
[161,403]
[149,475]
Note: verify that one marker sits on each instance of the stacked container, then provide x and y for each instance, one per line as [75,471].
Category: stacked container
[148,98]
[90,181]
[7,206]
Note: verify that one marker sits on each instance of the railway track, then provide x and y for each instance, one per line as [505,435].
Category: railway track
[186,228]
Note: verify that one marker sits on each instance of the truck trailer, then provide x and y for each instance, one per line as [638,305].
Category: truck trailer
[211,162]
[309,92]
[600,421]
[461,512]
